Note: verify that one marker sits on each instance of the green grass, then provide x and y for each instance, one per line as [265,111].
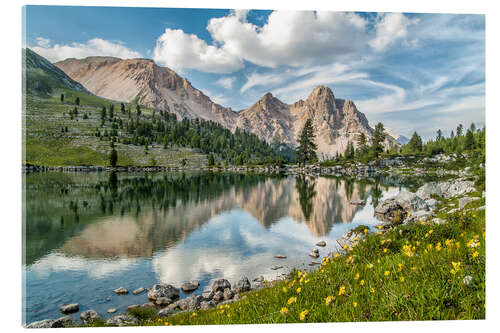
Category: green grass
[46,144]
[413,272]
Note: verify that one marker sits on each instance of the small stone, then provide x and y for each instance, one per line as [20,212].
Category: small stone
[138,291]
[321,243]
[89,316]
[163,301]
[189,286]
[207,305]
[133,306]
[314,263]
[219,296]
[228,294]
[70,308]
[208,294]
[220,284]
[121,291]
[276,267]
[259,279]
[314,254]
[148,305]
[280,256]
[112,310]
[163,290]
[242,285]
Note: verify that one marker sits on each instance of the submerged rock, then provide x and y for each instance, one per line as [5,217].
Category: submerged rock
[133,306]
[121,291]
[314,254]
[190,286]
[70,308]
[112,310]
[280,256]
[321,243]
[276,267]
[138,291]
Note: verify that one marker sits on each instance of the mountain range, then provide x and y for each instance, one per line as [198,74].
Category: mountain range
[337,122]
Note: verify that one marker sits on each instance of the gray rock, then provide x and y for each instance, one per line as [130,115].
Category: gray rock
[242,285]
[189,286]
[482,208]
[280,256]
[148,305]
[112,310]
[133,306]
[321,243]
[357,202]
[314,254]
[65,321]
[166,312]
[208,294]
[395,210]
[163,290]
[121,291]
[421,215]
[163,301]
[462,202]
[138,291]
[431,203]
[122,320]
[276,267]
[89,316]
[220,285]
[446,189]
[259,279]
[438,220]
[451,211]
[205,305]
[190,303]
[228,294]
[70,308]
[219,296]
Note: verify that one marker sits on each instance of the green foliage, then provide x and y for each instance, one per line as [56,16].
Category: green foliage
[377,139]
[306,151]
[113,157]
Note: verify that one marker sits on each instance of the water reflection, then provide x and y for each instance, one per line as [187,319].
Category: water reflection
[92,230]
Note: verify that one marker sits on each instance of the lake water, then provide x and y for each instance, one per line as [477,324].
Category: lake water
[87,234]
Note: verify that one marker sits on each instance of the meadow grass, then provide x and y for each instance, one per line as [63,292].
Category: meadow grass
[420,271]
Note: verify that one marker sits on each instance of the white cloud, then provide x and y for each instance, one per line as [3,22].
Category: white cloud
[94,47]
[226,82]
[178,50]
[390,28]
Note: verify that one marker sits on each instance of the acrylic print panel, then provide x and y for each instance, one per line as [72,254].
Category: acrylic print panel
[201,166]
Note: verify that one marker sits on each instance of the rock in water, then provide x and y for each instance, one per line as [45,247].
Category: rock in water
[112,310]
[190,286]
[357,202]
[314,254]
[121,291]
[228,294]
[138,291]
[89,316]
[163,290]
[163,301]
[133,306]
[242,285]
[70,308]
[220,285]
[280,256]
[276,267]
[321,243]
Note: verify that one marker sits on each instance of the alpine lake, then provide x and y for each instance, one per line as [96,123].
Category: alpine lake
[86,234]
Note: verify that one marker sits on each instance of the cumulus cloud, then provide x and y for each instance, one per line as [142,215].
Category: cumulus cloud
[390,28]
[226,82]
[289,38]
[178,50]
[94,47]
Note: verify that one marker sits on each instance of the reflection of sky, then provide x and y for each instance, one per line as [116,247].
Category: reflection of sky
[230,244]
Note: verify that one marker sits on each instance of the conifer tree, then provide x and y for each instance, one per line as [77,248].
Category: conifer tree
[415,143]
[306,151]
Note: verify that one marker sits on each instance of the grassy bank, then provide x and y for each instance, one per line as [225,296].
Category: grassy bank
[420,271]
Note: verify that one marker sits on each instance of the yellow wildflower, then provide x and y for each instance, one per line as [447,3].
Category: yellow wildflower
[329,300]
[299,290]
[291,300]
[369,266]
[356,276]
[365,231]
[401,278]
[341,290]
[386,273]
[336,255]
[284,311]
[285,289]
[438,246]
[475,254]
[355,304]
[372,290]
[194,314]
[400,267]
[303,315]
[362,282]
[299,273]
[379,227]
[385,250]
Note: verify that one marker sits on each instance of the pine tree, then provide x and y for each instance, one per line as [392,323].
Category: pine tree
[122,108]
[211,160]
[111,111]
[460,129]
[469,140]
[77,101]
[377,139]
[62,98]
[439,135]
[113,157]
[415,143]
[138,108]
[306,152]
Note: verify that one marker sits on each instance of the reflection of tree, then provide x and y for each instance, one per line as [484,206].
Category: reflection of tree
[305,188]
[349,187]
[376,194]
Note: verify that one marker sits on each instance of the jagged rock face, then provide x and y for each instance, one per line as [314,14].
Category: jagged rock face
[141,80]
[336,121]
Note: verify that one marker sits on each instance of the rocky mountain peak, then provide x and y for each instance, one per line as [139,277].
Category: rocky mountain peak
[321,93]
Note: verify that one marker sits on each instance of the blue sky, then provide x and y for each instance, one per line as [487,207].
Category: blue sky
[410,71]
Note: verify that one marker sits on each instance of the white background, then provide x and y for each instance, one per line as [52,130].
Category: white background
[10,152]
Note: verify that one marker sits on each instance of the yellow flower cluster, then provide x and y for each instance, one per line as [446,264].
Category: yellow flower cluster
[291,300]
[409,250]
[329,300]
[303,315]
[284,311]
[341,290]
[456,267]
